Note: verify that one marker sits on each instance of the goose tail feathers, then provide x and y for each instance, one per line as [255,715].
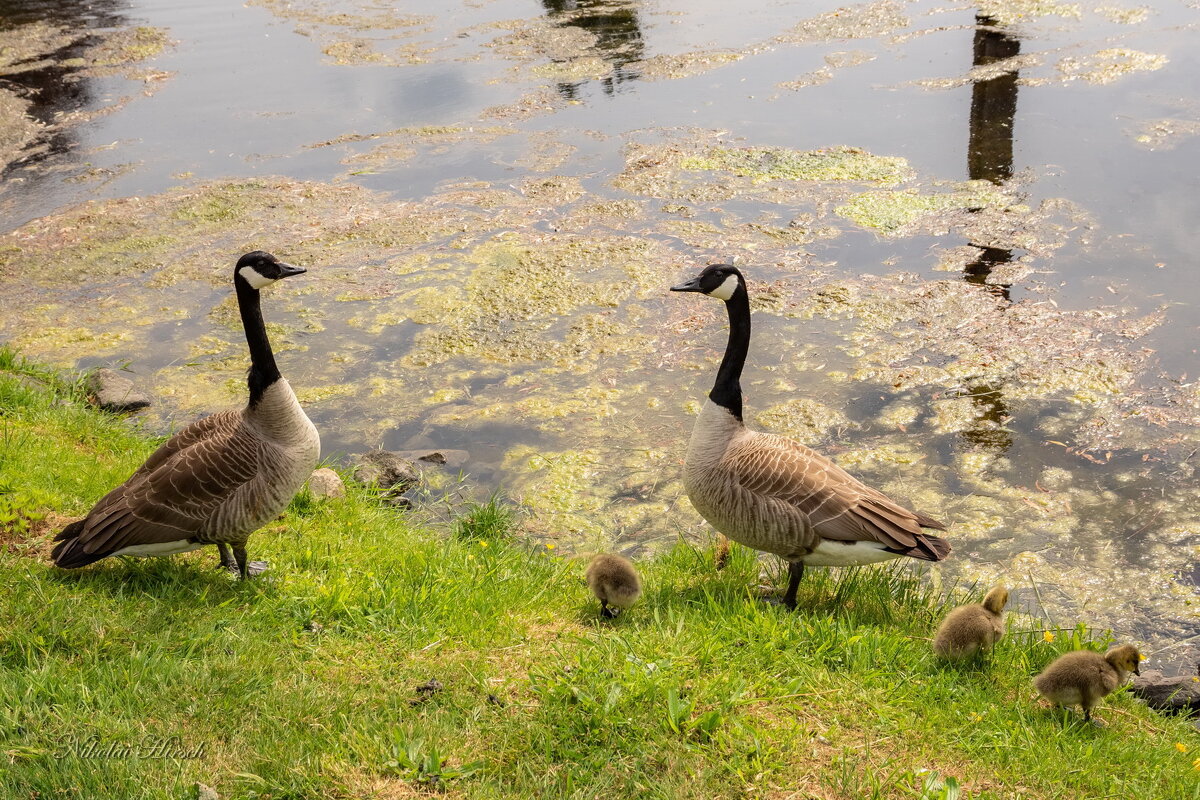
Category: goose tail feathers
[69,552]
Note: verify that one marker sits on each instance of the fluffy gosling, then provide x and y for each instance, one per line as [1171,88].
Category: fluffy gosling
[614,581]
[1083,677]
[971,628]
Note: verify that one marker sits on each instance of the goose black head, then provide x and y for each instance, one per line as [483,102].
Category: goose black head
[717,280]
[260,269]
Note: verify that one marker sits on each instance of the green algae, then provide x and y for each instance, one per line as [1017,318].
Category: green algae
[1125,16]
[1106,66]
[555,189]
[861,21]
[1165,134]
[1009,12]
[683,65]
[574,69]
[891,211]
[801,418]
[17,128]
[830,164]
[517,290]
[128,46]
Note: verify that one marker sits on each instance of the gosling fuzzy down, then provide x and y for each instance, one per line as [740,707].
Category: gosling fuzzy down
[615,582]
[1083,678]
[969,629]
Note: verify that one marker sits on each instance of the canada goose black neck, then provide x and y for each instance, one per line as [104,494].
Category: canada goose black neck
[727,389]
[263,370]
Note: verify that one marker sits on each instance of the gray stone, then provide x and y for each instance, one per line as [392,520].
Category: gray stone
[385,470]
[326,483]
[1180,693]
[114,392]
[206,792]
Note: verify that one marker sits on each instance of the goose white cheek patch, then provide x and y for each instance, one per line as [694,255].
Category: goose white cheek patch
[255,278]
[726,289]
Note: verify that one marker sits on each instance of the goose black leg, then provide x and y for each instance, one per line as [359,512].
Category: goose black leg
[245,567]
[606,612]
[795,573]
[227,560]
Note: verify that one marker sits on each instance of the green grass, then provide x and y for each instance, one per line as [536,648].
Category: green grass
[305,683]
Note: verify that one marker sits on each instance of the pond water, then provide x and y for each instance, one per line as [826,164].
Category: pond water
[967,229]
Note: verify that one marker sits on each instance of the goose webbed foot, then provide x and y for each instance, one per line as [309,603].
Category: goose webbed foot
[607,611]
[245,567]
[228,562]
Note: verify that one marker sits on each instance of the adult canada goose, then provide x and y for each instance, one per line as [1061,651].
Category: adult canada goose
[218,479]
[615,582]
[1083,678]
[971,628]
[776,495]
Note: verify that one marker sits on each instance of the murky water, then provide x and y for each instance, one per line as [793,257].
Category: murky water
[968,228]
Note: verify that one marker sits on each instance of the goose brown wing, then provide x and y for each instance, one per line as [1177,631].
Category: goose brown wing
[213,424]
[837,505]
[178,497]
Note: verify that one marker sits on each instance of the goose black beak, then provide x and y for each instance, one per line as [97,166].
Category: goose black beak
[288,270]
[1136,671]
[691,286]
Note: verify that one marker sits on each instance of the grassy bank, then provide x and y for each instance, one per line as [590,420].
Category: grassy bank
[318,680]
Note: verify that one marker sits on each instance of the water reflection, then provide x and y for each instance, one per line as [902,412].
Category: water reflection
[990,158]
[52,89]
[990,140]
[618,33]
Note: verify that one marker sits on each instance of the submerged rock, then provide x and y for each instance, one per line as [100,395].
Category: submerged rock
[443,458]
[326,483]
[114,392]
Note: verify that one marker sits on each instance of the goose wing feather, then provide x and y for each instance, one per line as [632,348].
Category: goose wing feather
[835,505]
[178,497]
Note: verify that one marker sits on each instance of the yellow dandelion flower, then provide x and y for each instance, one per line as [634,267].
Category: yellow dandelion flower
[1196,764]
[1048,636]
[1181,747]
[483,544]
[550,546]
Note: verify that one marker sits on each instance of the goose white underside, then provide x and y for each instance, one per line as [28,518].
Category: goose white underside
[848,554]
[159,549]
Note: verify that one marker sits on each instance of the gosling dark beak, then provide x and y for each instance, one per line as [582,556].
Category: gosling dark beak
[1136,671]
[289,270]
[691,286]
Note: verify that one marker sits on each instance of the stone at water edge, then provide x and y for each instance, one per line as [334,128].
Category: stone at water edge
[326,483]
[114,392]
[386,470]
[1180,694]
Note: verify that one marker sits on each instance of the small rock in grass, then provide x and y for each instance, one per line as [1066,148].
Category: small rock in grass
[206,792]
[326,483]
[114,392]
